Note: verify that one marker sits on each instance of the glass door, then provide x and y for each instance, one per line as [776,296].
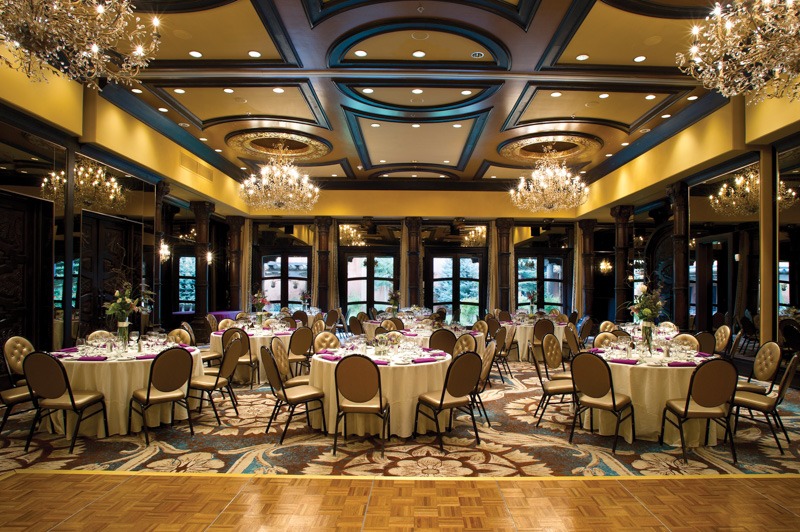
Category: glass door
[284,278]
[370,277]
[457,283]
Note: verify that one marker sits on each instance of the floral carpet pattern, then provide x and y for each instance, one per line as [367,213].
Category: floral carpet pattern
[511,447]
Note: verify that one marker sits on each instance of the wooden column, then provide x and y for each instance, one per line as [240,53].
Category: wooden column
[794,264]
[678,194]
[162,189]
[235,224]
[768,245]
[414,226]
[504,226]
[323,225]
[622,242]
[587,256]
[202,215]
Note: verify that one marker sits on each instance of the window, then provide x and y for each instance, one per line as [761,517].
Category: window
[187,278]
[784,298]
[457,283]
[369,277]
[58,283]
[544,274]
[284,278]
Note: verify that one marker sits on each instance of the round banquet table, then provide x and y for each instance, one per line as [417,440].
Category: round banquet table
[423,339]
[650,387]
[117,380]
[401,385]
[525,335]
[257,339]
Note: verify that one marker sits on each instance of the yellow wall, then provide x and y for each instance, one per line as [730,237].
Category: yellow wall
[772,120]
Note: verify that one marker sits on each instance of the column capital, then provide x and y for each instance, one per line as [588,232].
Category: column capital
[235,223]
[414,223]
[505,224]
[323,222]
[622,213]
[587,225]
[202,209]
[678,193]
[162,189]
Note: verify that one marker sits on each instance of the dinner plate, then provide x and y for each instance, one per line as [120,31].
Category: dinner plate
[401,363]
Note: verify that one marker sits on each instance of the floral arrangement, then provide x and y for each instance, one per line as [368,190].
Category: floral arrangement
[531,298]
[394,298]
[647,306]
[123,304]
[305,296]
[259,301]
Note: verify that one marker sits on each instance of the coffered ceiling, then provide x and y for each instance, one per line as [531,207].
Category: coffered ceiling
[419,95]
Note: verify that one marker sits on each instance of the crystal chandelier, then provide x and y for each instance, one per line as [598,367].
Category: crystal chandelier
[550,187]
[280,185]
[164,252]
[349,235]
[740,197]
[84,39]
[94,188]
[747,46]
[475,238]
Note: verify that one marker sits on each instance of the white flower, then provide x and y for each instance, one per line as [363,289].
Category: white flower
[116,293]
[642,289]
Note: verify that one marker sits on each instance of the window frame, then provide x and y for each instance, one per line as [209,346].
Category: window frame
[284,277]
[540,279]
[370,255]
[456,255]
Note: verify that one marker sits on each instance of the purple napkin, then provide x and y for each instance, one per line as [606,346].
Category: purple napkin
[426,349]
[147,357]
[409,334]
[681,364]
[283,333]
[94,358]
[596,350]
[332,358]
[423,360]
[405,330]
[184,345]
[374,321]
[69,350]
[475,333]
[325,352]
[60,355]
[379,362]
[217,333]
[703,355]
[628,361]
[561,323]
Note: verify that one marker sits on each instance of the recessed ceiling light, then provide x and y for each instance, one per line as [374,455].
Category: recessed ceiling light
[183,124]
[179,91]
[644,130]
[466,93]
[582,57]
[650,97]
[413,175]
[202,139]
[414,125]
[136,91]
[666,116]
[195,53]
[418,53]
[218,150]
[334,175]
[367,91]
[360,53]
[456,126]
[625,144]
[382,161]
[23,171]
[278,90]
[227,91]
[493,177]
[583,171]
[446,162]
[163,109]
[242,168]
[375,124]
[692,98]
[3,168]
[255,54]
[609,154]
[603,96]
[34,158]
[477,55]
[555,94]
[417,91]
[639,59]
[441,175]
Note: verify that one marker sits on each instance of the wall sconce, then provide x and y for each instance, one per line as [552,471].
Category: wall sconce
[209,257]
[736,257]
[605,266]
[164,252]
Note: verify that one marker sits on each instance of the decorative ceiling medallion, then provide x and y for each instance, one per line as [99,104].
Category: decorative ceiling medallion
[264,143]
[562,147]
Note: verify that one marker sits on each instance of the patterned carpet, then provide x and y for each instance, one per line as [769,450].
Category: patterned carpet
[511,447]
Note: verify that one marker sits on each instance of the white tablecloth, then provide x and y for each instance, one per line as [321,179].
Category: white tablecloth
[649,388]
[423,339]
[257,340]
[525,335]
[402,385]
[117,380]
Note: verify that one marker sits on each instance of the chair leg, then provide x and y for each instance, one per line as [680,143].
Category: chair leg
[36,418]
[774,434]
[185,404]
[75,432]
[144,425]
[482,407]
[234,401]
[339,416]
[543,407]
[286,428]
[438,430]
[779,421]
[105,416]
[274,414]
[728,431]
[663,423]
[633,425]
[416,418]
[5,418]
[474,425]
[508,368]
[322,413]
[683,441]
[574,420]
[213,406]
[616,434]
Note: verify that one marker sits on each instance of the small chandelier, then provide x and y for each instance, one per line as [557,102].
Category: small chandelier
[475,238]
[164,252]
[84,39]
[349,235]
[747,47]
[740,197]
[280,185]
[605,266]
[94,188]
[550,187]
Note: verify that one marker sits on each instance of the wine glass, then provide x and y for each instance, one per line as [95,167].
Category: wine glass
[80,343]
[134,336]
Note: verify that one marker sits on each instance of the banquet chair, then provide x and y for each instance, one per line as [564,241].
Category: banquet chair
[604,339]
[293,396]
[300,348]
[242,316]
[717,320]
[456,394]
[356,328]
[594,388]
[721,338]
[768,404]
[359,391]
[585,330]
[286,310]
[735,343]
[326,340]
[389,325]
[289,322]
[487,359]
[331,319]
[706,343]
[749,332]
[571,338]
[50,390]
[540,328]
[562,318]
[11,398]
[501,355]
[395,337]
[221,381]
[573,317]
[712,390]
[280,354]
[607,326]
[619,333]
[15,350]
[373,313]
[317,327]
[482,327]
[362,316]
[247,358]
[179,336]
[225,324]
[465,342]
[687,340]
[300,316]
[380,330]
[441,339]
[186,326]
[212,322]
[553,353]
[398,323]
[442,312]
[765,369]
[100,335]
[493,324]
[668,325]
[170,375]
[511,342]
[504,315]
[550,388]
[488,315]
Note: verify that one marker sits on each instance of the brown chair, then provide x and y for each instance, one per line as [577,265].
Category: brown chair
[504,315]
[594,388]
[487,359]
[735,345]
[208,384]
[540,328]
[550,388]
[398,323]
[443,340]
[362,316]
[281,356]
[355,326]
[456,394]
[619,333]
[585,330]
[573,317]
[389,325]
[380,330]
[607,326]
[170,374]
[289,322]
[300,316]
[212,322]
[765,369]
[247,357]
[554,359]
[721,338]
[317,327]
[11,398]
[572,341]
[373,313]
[501,355]
[226,324]
[15,350]
[711,394]
[604,339]
[300,348]
[687,340]
[291,396]
[359,391]
[768,404]
[186,326]
[465,342]
[100,335]
[242,316]
[49,389]
[331,319]
[482,327]
[179,336]
[706,342]
[326,340]
[493,324]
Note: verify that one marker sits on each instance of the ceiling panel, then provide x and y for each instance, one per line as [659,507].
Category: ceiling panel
[419,96]
[401,142]
[438,46]
[625,107]
[213,102]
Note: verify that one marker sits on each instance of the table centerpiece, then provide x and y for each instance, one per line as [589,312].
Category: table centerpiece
[121,307]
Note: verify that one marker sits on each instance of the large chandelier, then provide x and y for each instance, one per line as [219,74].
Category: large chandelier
[747,46]
[94,187]
[740,197]
[550,187]
[475,238]
[280,185]
[84,39]
[349,235]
